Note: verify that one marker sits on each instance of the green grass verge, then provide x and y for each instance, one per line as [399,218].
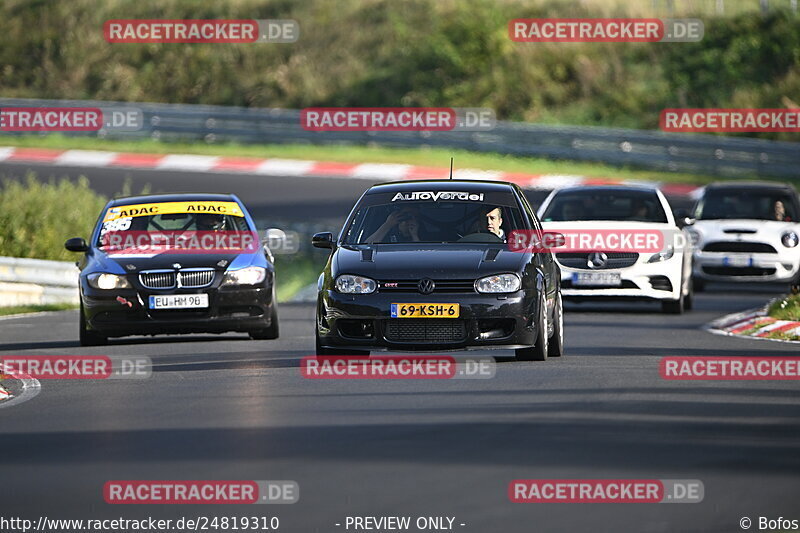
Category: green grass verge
[295,273]
[20,309]
[786,308]
[432,157]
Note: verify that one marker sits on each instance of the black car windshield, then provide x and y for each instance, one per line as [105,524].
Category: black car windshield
[173,217]
[439,221]
[752,204]
[619,205]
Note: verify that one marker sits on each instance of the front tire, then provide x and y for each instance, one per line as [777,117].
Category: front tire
[86,336]
[538,352]
[688,303]
[272,332]
[698,284]
[555,346]
[674,307]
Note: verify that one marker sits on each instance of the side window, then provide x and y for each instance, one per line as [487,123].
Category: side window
[529,212]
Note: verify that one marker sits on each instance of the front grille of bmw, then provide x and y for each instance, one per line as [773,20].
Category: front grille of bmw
[441,285]
[193,278]
[580,260]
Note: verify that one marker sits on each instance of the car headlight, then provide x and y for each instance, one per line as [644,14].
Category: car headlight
[348,284]
[789,239]
[245,276]
[498,284]
[105,281]
[662,256]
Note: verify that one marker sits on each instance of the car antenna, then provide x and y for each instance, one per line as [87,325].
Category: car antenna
[451,168]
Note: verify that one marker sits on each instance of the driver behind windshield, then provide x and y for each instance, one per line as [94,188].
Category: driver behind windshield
[402,225]
[210,222]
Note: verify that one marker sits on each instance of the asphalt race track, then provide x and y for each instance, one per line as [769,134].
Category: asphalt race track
[225,407]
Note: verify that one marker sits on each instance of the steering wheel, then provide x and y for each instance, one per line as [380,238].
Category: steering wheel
[480,237]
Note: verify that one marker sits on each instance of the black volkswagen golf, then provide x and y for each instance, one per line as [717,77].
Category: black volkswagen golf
[175,263]
[425,265]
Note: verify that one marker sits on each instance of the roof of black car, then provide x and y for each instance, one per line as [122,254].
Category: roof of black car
[176,197]
[442,185]
[752,185]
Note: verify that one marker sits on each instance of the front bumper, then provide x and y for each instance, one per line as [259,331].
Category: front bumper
[748,267]
[117,313]
[362,322]
[642,281]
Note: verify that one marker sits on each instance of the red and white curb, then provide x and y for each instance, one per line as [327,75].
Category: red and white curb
[302,168]
[762,326]
[29,388]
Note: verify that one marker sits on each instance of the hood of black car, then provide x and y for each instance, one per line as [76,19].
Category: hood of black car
[435,261]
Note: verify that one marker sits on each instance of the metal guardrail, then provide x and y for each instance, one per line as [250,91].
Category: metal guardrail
[37,281]
[690,153]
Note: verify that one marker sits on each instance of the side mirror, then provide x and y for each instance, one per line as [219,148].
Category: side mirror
[683,218]
[556,240]
[76,244]
[322,240]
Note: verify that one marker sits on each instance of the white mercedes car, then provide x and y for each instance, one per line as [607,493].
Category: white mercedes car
[620,242]
[747,232]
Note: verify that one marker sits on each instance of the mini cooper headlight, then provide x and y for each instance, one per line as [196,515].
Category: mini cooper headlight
[106,281]
[662,256]
[348,284]
[789,239]
[245,276]
[499,283]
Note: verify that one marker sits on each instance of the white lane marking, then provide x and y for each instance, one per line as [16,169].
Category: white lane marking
[30,389]
[87,158]
[289,167]
[380,170]
[187,162]
[6,152]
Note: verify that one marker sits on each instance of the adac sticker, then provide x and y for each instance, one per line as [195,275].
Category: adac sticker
[168,208]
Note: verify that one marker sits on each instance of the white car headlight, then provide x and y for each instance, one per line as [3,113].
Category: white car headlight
[789,239]
[105,281]
[245,276]
[662,256]
[499,283]
[348,284]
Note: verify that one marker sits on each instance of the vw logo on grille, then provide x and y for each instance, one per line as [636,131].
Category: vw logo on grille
[426,286]
[597,260]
